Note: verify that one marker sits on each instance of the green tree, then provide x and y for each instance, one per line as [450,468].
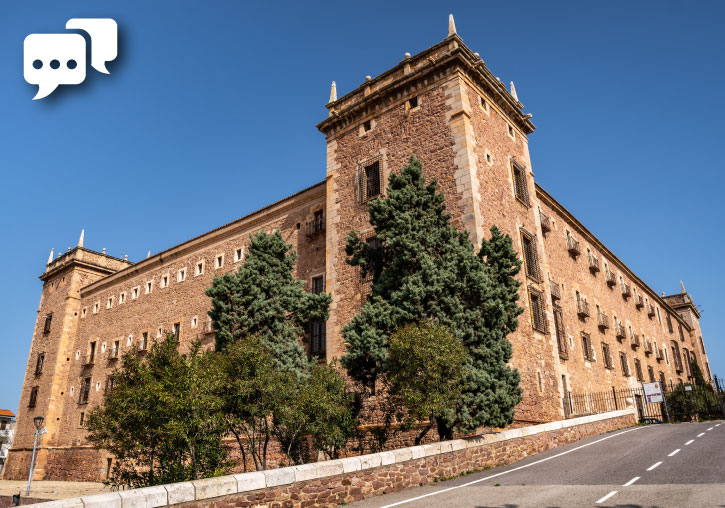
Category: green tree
[161,419]
[265,299]
[424,268]
[425,368]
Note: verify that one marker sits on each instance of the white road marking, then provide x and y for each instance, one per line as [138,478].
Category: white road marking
[710,428]
[690,442]
[674,453]
[506,472]
[717,425]
[630,482]
[654,466]
[606,497]
[701,434]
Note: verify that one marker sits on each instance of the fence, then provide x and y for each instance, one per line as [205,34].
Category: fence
[683,402]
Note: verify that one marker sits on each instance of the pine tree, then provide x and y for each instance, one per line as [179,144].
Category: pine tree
[263,298]
[425,268]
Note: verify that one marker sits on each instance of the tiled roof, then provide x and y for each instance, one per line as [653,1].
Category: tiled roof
[6,412]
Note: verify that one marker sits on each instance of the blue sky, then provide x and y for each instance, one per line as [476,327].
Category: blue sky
[210,108]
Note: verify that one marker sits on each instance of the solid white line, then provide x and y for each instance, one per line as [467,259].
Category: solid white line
[710,428]
[701,434]
[606,497]
[690,442]
[506,472]
[630,482]
[654,466]
[674,453]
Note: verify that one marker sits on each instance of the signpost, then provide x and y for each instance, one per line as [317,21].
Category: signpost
[653,394]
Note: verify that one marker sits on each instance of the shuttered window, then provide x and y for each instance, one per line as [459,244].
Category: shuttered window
[521,188]
[560,333]
[528,242]
[369,181]
[624,364]
[587,347]
[607,356]
[538,318]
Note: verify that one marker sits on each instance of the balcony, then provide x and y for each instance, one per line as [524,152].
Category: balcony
[593,263]
[582,308]
[634,341]
[650,310]
[648,349]
[315,227]
[638,301]
[620,332]
[4,435]
[555,290]
[659,355]
[113,354]
[603,320]
[626,290]
[89,360]
[545,222]
[610,278]
[573,246]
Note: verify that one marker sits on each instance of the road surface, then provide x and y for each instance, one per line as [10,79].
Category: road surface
[668,466]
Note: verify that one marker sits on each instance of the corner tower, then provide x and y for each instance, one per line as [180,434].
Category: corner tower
[46,374]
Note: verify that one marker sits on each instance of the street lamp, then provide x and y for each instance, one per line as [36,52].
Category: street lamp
[38,422]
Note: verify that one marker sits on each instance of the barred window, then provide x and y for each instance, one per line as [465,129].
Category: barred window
[560,333]
[369,181]
[39,364]
[651,373]
[521,188]
[33,397]
[669,323]
[587,348]
[607,356]
[48,320]
[624,364]
[538,318]
[638,369]
[85,390]
[528,242]
[318,339]
[682,335]
[318,285]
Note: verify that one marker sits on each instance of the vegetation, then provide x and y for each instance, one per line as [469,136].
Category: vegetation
[424,268]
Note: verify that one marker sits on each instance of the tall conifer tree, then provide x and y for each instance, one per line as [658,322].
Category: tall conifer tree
[425,268]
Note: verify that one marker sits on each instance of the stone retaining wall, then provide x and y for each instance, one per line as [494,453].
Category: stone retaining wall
[333,482]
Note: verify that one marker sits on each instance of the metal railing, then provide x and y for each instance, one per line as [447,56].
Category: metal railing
[610,277]
[593,263]
[545,222]
[573,246]
[315,226]
[634,340]
[555,289]
[582,308]
[626,290]
[648,349]
[650,310]
[620,332]
[638,301]
[602,319]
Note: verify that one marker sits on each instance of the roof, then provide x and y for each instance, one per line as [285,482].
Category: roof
[6,412]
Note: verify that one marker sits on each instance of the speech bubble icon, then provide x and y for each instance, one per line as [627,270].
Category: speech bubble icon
[104,39]
[50,60]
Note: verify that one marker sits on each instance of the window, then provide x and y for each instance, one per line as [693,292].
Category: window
[651,373]
[662,380]
[560,334]
[489,158]
[412,103]
[219,261]
[83,312]
[199,268]
[181,277]
[624,364]
[48,320]
[95,307]
[90,359]
[177,331]
[116,348]
[318,285]
[607,356]
[134,293]
[369,181]
[587,348]
[638,370]
[682,335]
[149,286]
[109,384]
[109,303]
[194,321]
[366,126]
[669,323]
[702,345]
[121,298]
[511,132]
[144,341]
[538,318]
[238,254]
[39,364]
[484,104]
[82,419]
[85,390]
[318,339]
[164,281]
[521,189]
[33,396]
[528,242]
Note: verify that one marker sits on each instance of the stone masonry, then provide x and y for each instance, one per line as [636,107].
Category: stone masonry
[444,106]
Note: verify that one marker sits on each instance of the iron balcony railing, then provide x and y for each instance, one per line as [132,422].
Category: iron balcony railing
[620,331]
[555,289]
[545,222]
[582,308]
[602,319]
[573,246]
[626,290]
[113,354]
[634,340]
[610,277]
[659,355]
[638,301]
[315,226]
[89,360]
[593,263]
[648,350]
[650,310]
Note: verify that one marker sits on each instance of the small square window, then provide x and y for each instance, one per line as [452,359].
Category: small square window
[134,293]
[199,268]
[238,254]
[182,275]
[484,105]
[149,287]
[511,131]
[489,159]
[367,126]
[109,304]
[194,321]
[95,307]
[122,298]
[412,103]
[219,261]
[159,332]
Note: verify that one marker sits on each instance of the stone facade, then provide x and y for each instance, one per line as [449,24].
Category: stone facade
[471,134]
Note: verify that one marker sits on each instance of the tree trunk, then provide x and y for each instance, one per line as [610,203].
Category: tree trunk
[445,433]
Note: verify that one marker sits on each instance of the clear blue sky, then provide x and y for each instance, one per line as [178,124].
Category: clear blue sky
[210,108]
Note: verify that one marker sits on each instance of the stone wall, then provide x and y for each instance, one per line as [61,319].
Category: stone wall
[335,482]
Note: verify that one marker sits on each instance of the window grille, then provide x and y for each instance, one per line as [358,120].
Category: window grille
[318,285]
[607,356]
[669,323]
[624,364]
[587,348]
[369,180]
[560,333]
[651,373]
[638,369]
[33,396]
[538,318]
[528,241]
[318,337]
[85,390]
[521,188]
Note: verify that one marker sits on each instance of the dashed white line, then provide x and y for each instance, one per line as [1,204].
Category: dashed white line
[674,453]
[410,500]
[630,482]
[717,425]
[606,497]
[710,428]
[654,466]
[690,442]
[701,434]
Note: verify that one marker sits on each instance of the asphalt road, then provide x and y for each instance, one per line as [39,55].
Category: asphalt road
[668,466]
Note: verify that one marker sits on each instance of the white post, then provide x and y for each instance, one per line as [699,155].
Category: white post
[32,462]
